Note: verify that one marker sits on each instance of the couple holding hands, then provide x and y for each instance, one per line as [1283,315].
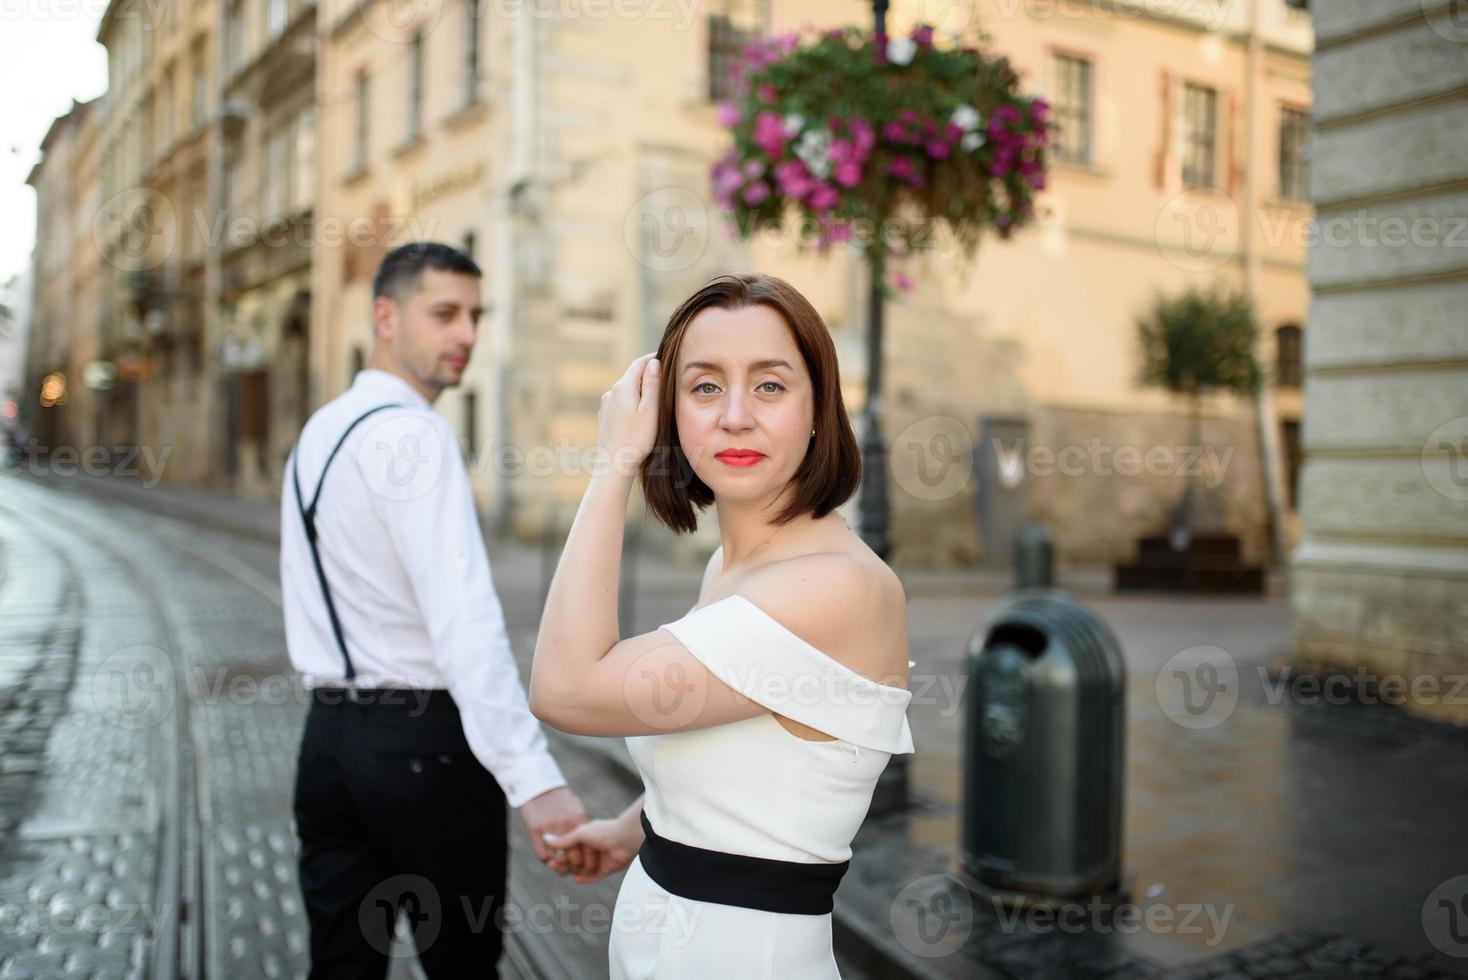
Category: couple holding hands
[759,720]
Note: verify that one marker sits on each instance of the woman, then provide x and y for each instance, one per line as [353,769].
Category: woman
[761,719]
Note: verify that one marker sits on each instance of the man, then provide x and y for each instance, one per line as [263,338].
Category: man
[419,733]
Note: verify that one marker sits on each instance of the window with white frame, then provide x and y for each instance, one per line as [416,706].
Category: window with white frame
[415,88]
[1294,129]
[1200,134]
[470,92]
[732,24]
[360,110]
[1071,108]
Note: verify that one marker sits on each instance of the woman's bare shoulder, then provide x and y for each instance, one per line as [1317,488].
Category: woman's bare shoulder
[848,604]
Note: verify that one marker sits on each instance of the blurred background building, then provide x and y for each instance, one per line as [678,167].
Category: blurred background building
[257,157]
[1381,574]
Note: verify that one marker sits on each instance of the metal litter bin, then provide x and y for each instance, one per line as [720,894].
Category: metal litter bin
[1044,750]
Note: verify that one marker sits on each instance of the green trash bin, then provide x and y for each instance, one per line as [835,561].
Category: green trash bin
[1044,750]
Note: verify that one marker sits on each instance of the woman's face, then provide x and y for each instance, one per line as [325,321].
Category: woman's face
[741,384]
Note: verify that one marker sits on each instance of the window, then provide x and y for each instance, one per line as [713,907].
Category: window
[732,25]
[1294,127]
[471,52]
[1072,109]
[201,96]
[1287,355]
[166,105]
[275,17]
[303,189]
[471,424]
[234,31]
[359,139]
[415,88]
[277,174]
[1294,458]
[1199,134]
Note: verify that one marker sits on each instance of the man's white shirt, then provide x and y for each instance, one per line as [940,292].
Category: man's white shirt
[405,560]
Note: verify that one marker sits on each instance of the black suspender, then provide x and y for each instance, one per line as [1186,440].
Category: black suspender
[308,518]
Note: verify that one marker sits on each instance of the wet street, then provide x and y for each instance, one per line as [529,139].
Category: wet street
[147,751]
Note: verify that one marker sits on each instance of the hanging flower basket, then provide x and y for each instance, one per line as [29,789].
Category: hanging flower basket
[873,143]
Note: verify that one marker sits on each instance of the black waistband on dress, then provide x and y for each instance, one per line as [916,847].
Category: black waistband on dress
[760,883]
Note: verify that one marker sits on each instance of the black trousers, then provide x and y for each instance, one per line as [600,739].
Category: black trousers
[396,815]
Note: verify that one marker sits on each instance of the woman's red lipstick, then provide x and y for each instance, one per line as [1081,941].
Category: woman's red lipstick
[739,457]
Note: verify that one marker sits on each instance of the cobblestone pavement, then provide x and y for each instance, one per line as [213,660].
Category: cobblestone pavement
[147,751]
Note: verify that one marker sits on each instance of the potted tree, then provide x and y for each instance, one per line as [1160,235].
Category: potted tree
[1194,344]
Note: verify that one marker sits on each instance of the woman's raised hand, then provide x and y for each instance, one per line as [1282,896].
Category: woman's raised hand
[627,423]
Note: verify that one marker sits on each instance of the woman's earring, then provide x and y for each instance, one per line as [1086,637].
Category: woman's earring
[812,433]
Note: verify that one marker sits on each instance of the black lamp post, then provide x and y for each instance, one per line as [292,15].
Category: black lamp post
[873,508]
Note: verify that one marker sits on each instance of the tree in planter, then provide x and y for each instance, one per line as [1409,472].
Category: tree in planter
[1194,344]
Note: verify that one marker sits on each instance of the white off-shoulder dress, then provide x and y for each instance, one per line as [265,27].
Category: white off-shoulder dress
[753,788]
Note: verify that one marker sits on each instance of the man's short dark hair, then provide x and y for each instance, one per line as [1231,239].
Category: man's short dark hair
[401,273]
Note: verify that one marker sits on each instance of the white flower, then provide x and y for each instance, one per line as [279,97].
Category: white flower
[811,149]
[966,118]
[900,50]
[793,123]
[972,141]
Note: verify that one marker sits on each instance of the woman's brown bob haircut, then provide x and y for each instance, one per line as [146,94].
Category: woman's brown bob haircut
[831,470]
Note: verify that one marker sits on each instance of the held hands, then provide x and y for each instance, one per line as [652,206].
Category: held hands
[628,420]
[554,811]
[596,848]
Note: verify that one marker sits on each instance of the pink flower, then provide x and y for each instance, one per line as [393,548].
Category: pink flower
[924,36]
[953,132]
[902,282]
[930,128]
[756,192]
[848,173]
[938,149]
[769,134]
[793,179]
[901,168]
[907,117]
[893,132]
[766,92]
[862,137]
[1039,110]
[822,197]
[728,114]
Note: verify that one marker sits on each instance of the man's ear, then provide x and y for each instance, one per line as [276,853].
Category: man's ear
[384,319]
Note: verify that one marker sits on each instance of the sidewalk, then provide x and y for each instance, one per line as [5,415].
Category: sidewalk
[1290,837]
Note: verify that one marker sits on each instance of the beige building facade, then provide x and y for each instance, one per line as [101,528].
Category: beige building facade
[580,169]
[1381,573]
